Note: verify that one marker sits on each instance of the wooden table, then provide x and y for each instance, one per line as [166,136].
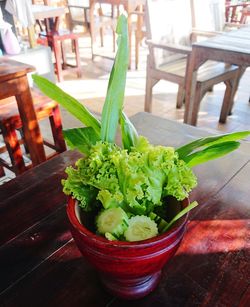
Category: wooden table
[41,266]
[231,47]
[129,6]
[14,82]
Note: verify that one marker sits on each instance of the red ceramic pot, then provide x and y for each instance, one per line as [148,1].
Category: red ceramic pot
[129,270]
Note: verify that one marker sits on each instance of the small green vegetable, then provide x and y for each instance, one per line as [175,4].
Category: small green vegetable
[140,227]
[112,221]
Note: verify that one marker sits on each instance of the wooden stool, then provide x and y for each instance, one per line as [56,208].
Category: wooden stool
[10,121]
[56,42]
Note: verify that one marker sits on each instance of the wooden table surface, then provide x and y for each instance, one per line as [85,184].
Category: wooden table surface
[231,47]
[40,264]
[14,82]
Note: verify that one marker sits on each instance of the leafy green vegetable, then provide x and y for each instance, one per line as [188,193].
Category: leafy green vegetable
[68,102]
[81,138]
[137,180]
[115,94]
[187,153]
[212,152]
[129,133]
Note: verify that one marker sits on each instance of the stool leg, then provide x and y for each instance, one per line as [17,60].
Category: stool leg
[56,128]
[58,57]
[64,65]
[78,59]
[13,147]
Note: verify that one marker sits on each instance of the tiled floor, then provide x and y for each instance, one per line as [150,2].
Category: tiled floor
[91,91]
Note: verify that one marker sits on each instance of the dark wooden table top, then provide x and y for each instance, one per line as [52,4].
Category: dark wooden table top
[40,264]
[10,69]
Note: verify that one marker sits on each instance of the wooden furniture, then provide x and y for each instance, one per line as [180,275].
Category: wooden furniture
[231,47]
[44,12]
[78,14]
[10,122]
[13,82]
[245,13]
[56,40]
[234,12]
[129,6]
[169,52]
[56,37]
[211,267]
[139,29]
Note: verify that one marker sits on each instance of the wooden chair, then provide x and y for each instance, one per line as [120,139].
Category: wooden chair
[10,122]
[78,14]
[139,29]
[169,42]
[103,17]
[56,40]
[234,12]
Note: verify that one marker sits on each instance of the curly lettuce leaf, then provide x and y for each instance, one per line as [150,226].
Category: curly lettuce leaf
[74,186]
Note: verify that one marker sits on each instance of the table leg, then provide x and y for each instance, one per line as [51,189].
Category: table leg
[194,62]
[31,129]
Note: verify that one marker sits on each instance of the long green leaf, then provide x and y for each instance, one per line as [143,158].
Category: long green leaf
[81,138]
[68,102]
[116,87]
[180,214]
[211,152]
[129,133]
[211,140]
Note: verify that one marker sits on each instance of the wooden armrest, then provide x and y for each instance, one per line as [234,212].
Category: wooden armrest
[170,47]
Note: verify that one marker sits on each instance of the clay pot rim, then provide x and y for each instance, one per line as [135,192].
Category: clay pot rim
[89,235]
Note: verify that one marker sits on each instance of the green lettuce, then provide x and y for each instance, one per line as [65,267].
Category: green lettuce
[137,180]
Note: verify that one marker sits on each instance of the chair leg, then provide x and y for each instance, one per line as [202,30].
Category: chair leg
[101,37]
[137,45]
[63,52]
[78,59]
[150,83]
[180,97]
[56,128]
[58,56]
[13,147]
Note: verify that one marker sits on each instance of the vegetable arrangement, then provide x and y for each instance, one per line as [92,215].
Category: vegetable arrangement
[128,186]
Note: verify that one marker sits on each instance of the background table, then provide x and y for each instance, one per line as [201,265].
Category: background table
[230,47]
[41,266]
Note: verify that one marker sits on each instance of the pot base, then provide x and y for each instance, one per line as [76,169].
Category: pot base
[131,288]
